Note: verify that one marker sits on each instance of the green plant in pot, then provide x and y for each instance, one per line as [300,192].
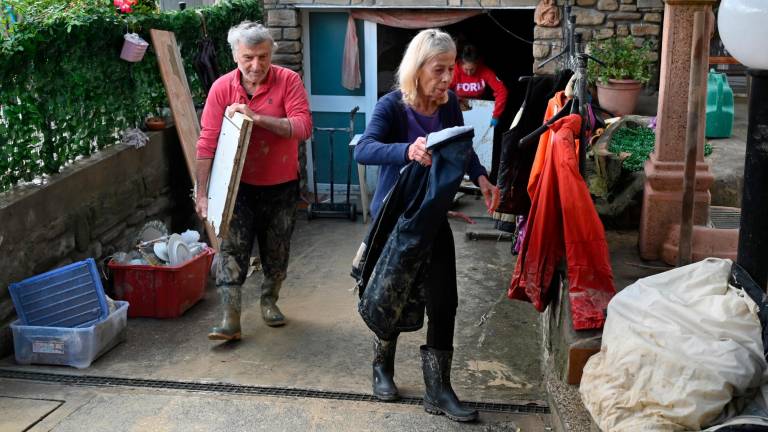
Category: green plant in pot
[151,100]
[627,68]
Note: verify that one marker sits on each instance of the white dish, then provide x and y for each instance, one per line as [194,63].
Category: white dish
[178,251]
[161,250]
[190,236]
[196,248]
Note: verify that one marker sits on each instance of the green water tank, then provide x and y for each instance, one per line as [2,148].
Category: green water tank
[719,106]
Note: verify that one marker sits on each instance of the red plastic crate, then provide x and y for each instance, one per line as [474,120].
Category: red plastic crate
[162,291]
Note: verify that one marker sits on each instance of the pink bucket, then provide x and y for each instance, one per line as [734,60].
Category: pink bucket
[134,47]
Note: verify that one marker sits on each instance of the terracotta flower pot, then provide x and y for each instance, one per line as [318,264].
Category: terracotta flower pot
[619,96]
[155,123]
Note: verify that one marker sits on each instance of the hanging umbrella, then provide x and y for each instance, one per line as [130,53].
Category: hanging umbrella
[205,58]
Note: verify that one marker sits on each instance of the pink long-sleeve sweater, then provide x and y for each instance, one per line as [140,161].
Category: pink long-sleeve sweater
[271,159]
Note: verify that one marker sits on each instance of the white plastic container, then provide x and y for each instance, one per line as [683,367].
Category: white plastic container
[76,347]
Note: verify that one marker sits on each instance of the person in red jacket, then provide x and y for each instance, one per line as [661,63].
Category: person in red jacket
[471,77]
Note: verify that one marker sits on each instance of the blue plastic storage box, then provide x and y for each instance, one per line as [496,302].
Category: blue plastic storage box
[77,347]
[70,296]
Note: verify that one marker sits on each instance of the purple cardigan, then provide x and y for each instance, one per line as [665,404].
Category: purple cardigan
[385,142]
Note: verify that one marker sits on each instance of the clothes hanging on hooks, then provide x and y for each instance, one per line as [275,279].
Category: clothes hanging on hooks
[515,163]
[563,223]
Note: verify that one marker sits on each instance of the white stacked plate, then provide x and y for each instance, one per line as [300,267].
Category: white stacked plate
[178,251]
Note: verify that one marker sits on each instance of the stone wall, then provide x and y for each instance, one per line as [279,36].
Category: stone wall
[602,19]
[92,209]
[595,20]
[284,18]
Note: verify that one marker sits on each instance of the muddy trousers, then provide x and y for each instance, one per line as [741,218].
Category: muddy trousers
[265,214]
[442,296]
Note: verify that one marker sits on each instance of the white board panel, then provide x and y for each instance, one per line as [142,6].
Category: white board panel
[480,117]
[226,170]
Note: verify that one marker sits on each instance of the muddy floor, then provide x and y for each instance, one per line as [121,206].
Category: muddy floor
[325,344]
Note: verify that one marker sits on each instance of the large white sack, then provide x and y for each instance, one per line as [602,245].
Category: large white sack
[677,347]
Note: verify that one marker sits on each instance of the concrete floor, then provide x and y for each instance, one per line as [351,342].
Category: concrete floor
[326,346]
[727,160]
[41,407]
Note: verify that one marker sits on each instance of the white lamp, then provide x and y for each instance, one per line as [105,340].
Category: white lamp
[743,26]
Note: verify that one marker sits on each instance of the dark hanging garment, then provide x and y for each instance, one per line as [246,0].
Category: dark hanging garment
[205,62]
[393,264]
[515,164]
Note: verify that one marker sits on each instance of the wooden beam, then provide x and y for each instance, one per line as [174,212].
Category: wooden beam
[723,60]
[697,104]
[182,106]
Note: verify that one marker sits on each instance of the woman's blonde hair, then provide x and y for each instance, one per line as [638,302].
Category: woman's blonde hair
[423,47]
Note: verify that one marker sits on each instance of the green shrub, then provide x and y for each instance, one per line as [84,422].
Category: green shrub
[65,92]
[622,58]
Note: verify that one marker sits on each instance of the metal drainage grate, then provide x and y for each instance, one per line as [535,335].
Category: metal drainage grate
[97,381]
[725,217]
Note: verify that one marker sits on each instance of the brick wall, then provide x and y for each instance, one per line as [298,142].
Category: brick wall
[92,209]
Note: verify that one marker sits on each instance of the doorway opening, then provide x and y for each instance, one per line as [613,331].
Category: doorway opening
[509,57]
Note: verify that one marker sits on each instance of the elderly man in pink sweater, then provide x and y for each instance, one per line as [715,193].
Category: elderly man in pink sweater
[265,208]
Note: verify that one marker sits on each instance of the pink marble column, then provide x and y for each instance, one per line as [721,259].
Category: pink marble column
[662,198]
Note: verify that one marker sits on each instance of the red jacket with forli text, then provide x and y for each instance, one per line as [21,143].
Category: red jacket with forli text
[271,159]
[473,86]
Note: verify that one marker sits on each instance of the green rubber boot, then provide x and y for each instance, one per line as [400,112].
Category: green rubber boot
[230,323]
[270,292]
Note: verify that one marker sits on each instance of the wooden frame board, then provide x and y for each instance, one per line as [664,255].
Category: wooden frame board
[226,171]
[182,106]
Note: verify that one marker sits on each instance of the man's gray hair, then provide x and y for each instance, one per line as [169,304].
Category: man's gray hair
[250,33]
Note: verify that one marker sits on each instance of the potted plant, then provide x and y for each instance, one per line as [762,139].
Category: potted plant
[151,100]
[627,68]
[157,118]
[155,122]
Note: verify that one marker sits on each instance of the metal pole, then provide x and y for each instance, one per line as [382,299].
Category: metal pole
[330,138]
[314,166]
[581,96]
[753,235]
[696,93]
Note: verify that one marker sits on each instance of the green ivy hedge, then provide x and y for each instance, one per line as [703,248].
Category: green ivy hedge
[64,91]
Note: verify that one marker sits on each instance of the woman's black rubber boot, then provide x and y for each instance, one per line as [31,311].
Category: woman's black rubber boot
[439,397]
[384,387]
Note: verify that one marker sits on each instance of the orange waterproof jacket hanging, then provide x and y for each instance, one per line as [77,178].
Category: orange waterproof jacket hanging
[563,222]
